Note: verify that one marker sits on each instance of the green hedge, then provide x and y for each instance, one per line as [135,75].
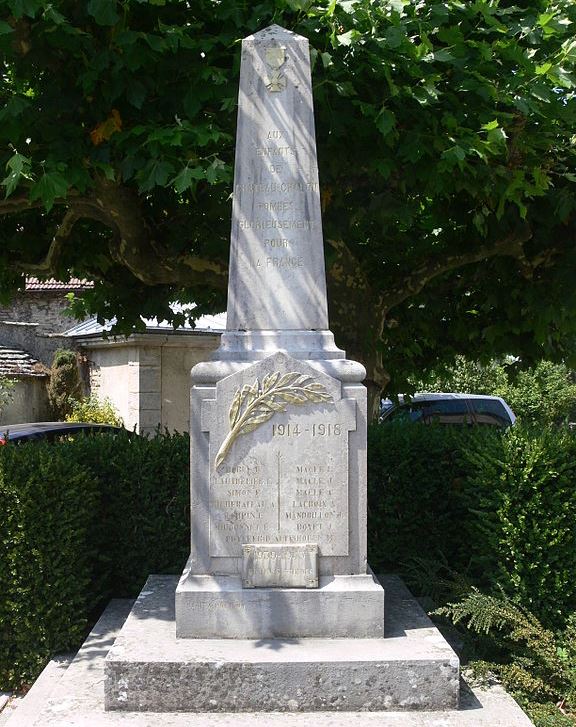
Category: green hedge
[142,521]
[89,519]
[82,521]
[47,500]
[499,507]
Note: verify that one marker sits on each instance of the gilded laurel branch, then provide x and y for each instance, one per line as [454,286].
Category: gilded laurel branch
[255,404]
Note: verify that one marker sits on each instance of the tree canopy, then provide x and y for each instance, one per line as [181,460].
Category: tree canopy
[446,152]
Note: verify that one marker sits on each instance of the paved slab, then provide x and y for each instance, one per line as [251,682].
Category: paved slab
[77,700]
[22,710]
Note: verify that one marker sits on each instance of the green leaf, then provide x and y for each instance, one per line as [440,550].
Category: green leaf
[155,42]
[136,93]
[455,154]
[497,136]
[443,55]
[543,69]
[186,178]
[103,11]
[347,39]
[25,7]
[395,36]
[107,170]
[345,88]
[5,28]
[51,14]
[330,9]
[298,5]
[159,172]
[213,173]
[19,167]
[491,125]
[385,121]
[545,18]
[48,188]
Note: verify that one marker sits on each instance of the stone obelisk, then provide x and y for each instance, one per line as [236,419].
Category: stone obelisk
[277,280]
[277,283]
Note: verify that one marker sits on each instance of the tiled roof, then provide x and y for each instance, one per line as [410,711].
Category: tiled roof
[51,284]
[15,362]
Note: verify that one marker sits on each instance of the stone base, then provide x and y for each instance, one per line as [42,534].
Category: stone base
[149,669]
[212,607]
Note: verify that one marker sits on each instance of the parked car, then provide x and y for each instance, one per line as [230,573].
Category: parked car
[51,431]
[450,408]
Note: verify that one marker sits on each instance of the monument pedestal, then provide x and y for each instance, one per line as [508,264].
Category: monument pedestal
[211,607]
[150,669]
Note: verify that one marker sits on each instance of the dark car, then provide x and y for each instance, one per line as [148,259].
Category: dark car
[449,408]
[51,431]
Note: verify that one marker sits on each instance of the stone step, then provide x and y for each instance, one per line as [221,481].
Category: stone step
[77,700]
[20,711]
[413,668]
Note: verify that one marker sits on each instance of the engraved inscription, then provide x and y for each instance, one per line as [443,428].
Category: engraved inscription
[256,404]
[275,58]
[277,187]
[285,262]
[275,151]
[286,481]
[286,566]
[260,224]
[276,206]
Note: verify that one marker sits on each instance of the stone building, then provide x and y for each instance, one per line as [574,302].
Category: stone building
[145,375]
[31,330]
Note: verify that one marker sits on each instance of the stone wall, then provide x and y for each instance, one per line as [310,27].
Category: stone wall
[29,402]
[33,322]
[31,338]
[46,309]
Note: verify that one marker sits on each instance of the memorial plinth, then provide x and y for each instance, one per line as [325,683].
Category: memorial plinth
[278,457]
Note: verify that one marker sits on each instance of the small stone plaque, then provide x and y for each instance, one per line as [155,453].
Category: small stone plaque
[280,566]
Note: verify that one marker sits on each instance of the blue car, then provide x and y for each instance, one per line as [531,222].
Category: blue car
[51,431]
[450,408]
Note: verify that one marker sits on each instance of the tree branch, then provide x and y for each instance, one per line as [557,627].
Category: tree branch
[50,262]
[21,204]
[512,245]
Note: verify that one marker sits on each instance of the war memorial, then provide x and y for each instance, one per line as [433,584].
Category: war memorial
[277,618]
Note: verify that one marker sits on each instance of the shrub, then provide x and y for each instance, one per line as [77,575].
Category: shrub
[497,507]
[65,384]
[521,498]
[48,499]
[83,520]
[142,521]
[539,667]
[92,409]
[416,475]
